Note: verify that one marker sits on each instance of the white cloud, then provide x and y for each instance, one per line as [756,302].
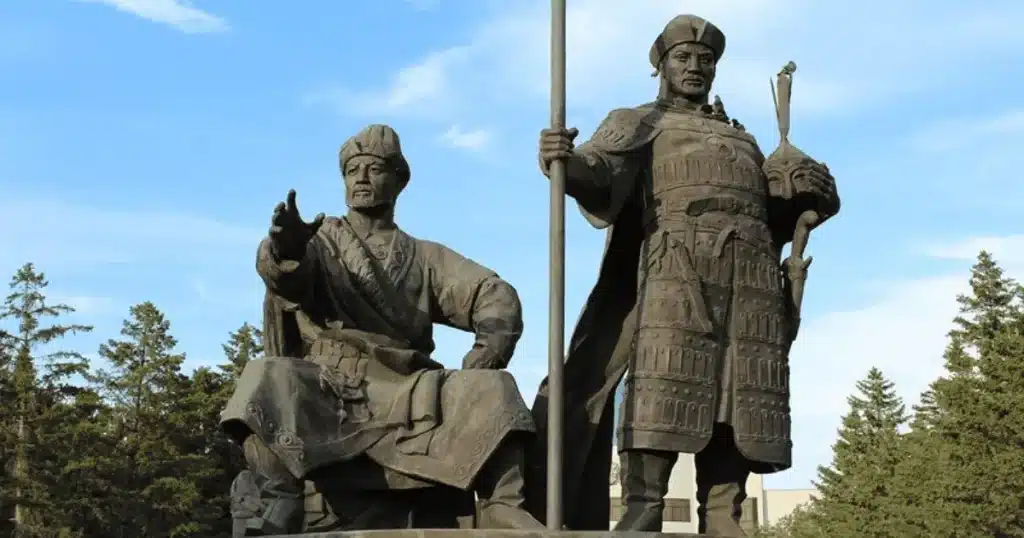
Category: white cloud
[180,14]
[1007,250]
[473,140]
[959,133]
[970,162]
[50,232]
[841,68]
[903,333]
[418,90]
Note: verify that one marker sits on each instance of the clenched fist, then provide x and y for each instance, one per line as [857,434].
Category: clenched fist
[556,144]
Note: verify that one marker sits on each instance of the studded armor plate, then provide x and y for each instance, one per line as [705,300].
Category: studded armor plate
[713,334]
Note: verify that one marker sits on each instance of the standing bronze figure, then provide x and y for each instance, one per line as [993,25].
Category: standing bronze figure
[349,396]
[693,298]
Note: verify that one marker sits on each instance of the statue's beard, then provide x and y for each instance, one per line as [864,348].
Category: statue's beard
[371,206]
[368,200]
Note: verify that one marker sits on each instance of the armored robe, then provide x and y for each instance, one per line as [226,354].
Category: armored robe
[689,299]
[348,331]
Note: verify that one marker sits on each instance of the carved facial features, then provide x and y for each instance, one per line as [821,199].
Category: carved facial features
[370,182]
[688,70]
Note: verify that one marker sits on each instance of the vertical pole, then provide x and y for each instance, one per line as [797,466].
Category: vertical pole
[556,299]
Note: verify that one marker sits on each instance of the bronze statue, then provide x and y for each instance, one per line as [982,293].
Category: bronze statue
[692,298]
[348,396]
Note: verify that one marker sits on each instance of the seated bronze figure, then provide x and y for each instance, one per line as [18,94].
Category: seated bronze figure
[348,396]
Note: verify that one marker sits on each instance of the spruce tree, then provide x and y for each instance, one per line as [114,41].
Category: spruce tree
[203,396]
[8,417]
[152,481]
[967,464]
[37,382]
[915,516]
[243,345]
[855,497]
[198,403]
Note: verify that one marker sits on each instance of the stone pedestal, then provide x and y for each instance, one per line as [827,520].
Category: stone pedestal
[456,533]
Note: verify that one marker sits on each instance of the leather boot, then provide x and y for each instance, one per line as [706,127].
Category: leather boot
[720,509]
[722,473]
[266,499]
[644,479]
[500,487]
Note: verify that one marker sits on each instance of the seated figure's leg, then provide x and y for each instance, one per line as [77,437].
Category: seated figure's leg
[266,499]
[500,486]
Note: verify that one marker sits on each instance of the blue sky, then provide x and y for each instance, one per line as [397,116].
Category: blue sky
[144,143]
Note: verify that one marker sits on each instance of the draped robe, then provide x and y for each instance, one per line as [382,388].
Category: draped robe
[348,373]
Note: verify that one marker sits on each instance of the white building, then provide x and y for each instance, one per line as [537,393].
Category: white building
[779,503]
[762,507]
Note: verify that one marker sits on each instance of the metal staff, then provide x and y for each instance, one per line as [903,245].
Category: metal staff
[556,298]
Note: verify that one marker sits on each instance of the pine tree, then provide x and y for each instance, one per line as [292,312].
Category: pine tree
[203,396]
[204,407]
[855,497]
[8,416]
[153,483]
[967,463]
[81,497]
[916,516]
[243,345]
[37,382]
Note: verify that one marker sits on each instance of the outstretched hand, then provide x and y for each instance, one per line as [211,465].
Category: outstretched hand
[288,232]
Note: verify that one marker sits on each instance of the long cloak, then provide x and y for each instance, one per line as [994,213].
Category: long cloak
[601,344]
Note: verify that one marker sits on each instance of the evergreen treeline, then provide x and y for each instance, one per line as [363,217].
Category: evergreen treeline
[133,450]
[954,466]
[129,451]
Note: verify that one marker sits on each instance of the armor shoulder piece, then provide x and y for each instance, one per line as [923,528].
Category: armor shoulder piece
[624,130]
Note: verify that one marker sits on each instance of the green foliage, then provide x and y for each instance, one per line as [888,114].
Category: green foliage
[131,450]
[959,470]
[963,468]
[156,461]
[855,490]
[800,523]
[35,383]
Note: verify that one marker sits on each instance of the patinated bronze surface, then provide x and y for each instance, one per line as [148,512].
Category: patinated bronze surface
[349,397]
[693,298]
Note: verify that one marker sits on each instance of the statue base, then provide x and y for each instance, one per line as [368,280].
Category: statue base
[481,533]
